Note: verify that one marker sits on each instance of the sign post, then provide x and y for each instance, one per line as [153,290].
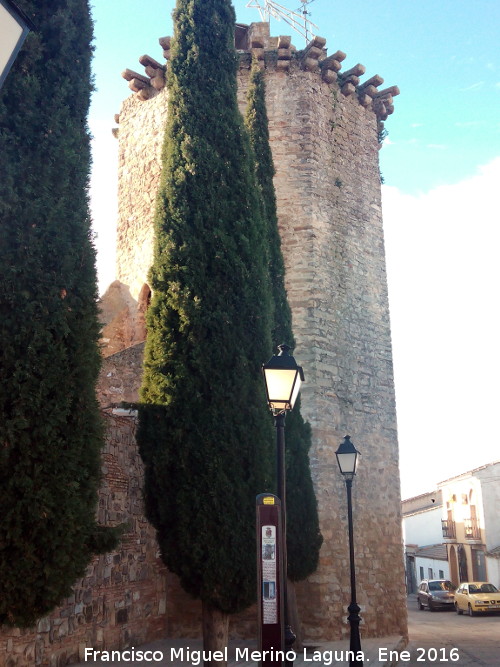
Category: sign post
[269,578]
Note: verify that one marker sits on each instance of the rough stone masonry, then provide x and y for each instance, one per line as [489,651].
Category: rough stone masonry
[325,125]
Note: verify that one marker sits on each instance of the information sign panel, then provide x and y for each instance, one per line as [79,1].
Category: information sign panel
[269,573]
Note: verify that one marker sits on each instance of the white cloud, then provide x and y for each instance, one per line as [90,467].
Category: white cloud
[474,86]
[444,272]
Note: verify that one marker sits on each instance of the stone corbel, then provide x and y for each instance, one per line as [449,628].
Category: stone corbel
[154,70]
[352,75]
[165,43]
[383,102]
[365,100]
[348,88]
[284,52]
[331,65]
[391,91]
[373,83]
[258,52]
[312,54]
[357,71]
[368,90]
[139,84]
[380,109]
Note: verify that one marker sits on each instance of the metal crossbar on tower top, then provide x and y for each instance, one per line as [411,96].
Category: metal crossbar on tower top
[299,22]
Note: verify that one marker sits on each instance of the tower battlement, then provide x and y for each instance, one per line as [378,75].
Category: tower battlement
[254,42]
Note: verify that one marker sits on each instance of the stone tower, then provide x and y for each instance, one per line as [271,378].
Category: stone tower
[325,127]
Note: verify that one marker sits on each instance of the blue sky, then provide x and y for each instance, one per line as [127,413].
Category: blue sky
[441,166]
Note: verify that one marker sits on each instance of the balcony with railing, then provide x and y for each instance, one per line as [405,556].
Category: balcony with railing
[449,529]
[472,530]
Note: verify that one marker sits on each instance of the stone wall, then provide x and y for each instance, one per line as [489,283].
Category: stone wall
[324,128]
[120,377]
[121,600]
[139,164]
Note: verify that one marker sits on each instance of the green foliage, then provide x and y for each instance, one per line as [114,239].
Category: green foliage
[303,535]
[50,427]
[204,432]
[304,538]
[257,126]
[382,133]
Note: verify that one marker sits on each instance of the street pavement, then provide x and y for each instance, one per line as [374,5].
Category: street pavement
[445,639]
[437,639]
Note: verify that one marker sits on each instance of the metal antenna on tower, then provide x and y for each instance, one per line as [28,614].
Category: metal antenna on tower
[300,23]
[305,14]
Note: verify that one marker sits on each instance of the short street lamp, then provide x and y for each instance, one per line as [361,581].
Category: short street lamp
[14,26]
[347,458]
[283,379]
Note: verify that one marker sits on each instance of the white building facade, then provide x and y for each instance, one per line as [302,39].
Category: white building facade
[425,553]
[454,532]
[471,524]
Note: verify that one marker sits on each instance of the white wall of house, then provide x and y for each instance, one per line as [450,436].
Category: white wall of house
[459,494]
[489,477]
[493,570]
[423,528]
[432,568]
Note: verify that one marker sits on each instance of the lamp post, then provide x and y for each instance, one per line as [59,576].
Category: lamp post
[14,27]
[283,378]
[347,458]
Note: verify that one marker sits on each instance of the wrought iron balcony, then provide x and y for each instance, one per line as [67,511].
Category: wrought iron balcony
[449,531]
[472,530]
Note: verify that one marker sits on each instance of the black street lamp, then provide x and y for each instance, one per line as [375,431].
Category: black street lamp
[14,26]
[347,458]
[283,378]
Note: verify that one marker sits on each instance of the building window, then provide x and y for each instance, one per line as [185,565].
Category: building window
[421,573]
[441,574]
[430,572]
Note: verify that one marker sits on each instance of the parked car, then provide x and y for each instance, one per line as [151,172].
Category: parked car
[436,594]
[477,597]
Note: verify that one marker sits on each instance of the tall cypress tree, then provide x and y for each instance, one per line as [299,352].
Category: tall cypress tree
[303,534]
[204,432]
[50,428]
